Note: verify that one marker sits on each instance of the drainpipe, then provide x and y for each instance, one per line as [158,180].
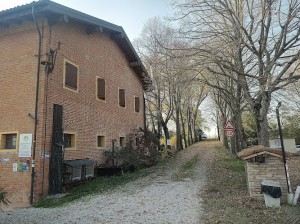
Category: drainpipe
[36,105]
[144,111]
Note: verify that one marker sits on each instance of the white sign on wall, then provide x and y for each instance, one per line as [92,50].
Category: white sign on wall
[25,145]
[15,167]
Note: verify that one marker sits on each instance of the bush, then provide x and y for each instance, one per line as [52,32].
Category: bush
[3,198]
[140,151]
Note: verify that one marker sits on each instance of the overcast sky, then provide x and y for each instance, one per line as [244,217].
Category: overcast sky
[130,14]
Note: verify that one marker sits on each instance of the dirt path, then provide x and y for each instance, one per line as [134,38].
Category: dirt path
[171,195]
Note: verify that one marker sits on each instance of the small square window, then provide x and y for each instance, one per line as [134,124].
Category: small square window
[136,104]
[9,141]
[122,97]
[101,88]
[69,140]
[122,141]
[70,75]
[100,141]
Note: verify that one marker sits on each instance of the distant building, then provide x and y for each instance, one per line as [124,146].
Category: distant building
[89,92]
[289,144]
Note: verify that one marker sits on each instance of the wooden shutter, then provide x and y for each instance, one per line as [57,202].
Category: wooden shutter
[71,76]
[137,104]
[101,89]
[122,97]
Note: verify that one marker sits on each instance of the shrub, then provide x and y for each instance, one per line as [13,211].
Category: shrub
[140,151]
[3,198]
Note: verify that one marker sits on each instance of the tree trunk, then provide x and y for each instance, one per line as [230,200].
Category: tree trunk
[178,130]
[166,132]
[239,137]
[183,130]
[189,134]
[260,112]
[223,137]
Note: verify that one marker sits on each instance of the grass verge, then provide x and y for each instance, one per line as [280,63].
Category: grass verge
[98,186]
[225,197]
[187,170]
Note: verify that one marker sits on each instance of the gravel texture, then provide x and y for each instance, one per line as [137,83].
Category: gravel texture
[157,198]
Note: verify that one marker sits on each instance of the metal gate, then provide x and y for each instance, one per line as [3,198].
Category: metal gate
[56,154]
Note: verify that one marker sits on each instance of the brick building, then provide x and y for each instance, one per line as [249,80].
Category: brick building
[66,78]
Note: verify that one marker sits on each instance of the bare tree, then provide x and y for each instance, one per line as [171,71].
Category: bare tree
[174,95]
[257,40]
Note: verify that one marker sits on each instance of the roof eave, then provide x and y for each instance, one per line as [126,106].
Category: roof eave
[43,7]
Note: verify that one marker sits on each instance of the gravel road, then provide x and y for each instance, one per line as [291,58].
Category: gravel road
[157,198]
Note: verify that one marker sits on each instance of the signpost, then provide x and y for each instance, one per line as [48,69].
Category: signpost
[229,129]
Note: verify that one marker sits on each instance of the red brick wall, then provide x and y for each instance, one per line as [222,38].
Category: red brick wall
[18,58]
[96,55]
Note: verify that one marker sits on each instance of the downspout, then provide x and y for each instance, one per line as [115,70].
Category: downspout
[144,110]
[36,105]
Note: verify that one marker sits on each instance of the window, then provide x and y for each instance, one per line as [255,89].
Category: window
[100,141]
[101,88]
[69,140]
[70,75]
[122,97]
[122,141]
[136,104]
[9,141]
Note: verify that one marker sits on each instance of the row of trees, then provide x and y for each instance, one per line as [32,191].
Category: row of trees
[240,51]
[174,96]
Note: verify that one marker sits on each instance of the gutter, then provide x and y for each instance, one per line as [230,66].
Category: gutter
[36,105]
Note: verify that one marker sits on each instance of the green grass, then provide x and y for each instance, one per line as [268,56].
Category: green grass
[98,186]
[187,170]
[235,165]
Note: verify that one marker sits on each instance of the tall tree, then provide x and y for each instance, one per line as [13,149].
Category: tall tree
[261,39]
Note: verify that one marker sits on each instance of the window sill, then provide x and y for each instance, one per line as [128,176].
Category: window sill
[8,150]
[101,100]
[73,148]
[103,147]
[71,89]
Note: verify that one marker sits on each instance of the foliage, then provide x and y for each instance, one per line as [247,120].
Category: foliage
[249,128]
[3,198]
[290,126]
[172,141]
[140,151]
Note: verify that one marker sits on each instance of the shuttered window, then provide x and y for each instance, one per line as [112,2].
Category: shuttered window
[137,104]
[122,97]
[71,76]
[101,88]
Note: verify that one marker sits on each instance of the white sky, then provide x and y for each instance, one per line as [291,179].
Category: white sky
[130,14]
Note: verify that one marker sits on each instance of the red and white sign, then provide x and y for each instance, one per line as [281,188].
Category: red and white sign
[229,126]
[229,129]
[230,133]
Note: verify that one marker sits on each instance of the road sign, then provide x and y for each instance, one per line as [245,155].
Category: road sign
[229,126]
[230,133]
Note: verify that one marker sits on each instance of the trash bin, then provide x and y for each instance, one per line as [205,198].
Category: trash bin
[272,193]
